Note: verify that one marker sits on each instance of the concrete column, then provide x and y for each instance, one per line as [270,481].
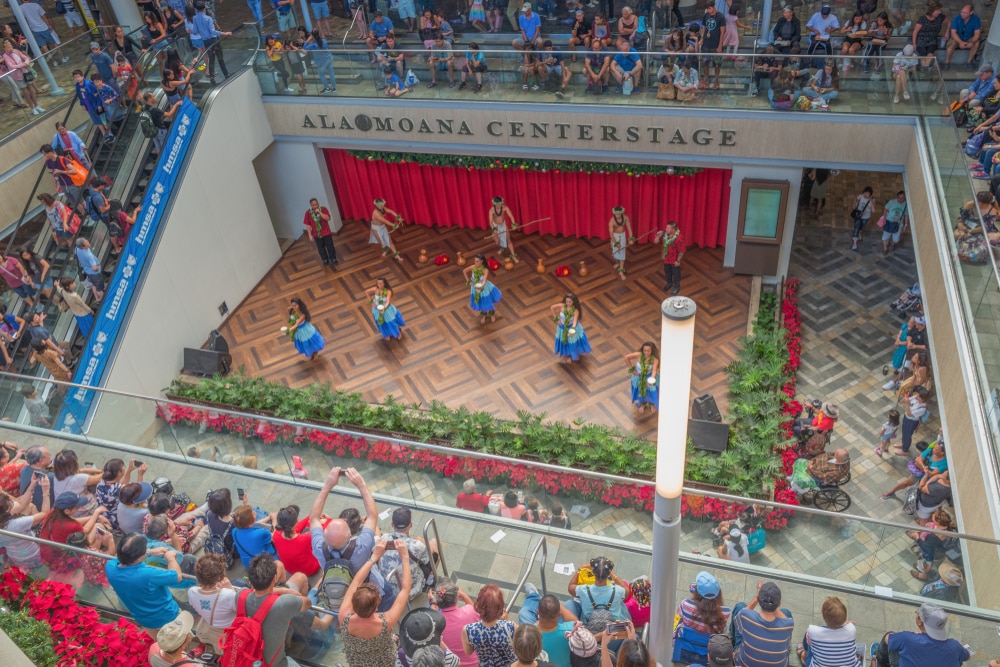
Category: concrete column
[765,24]
[991,49]
[126,14]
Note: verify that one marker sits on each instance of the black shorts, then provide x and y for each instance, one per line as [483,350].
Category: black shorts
[926,49]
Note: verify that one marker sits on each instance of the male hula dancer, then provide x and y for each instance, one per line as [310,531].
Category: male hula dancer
[497,218]
[620,229]
[317,223]
[380,230]
[673,250]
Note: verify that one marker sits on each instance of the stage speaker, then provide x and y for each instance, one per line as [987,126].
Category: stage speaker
[206,363]
[705,409]
[708,436]
[217,343]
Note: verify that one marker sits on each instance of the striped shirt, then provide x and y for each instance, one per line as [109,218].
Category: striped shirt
[691,617]
[765,643]
[832,647]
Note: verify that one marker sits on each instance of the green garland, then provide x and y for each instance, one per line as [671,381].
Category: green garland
[527,164]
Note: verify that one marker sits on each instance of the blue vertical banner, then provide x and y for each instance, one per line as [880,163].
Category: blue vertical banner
[121,290]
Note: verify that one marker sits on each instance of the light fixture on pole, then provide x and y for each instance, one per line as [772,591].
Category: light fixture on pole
[677,341]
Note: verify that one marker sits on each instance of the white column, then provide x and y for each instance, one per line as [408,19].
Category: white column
[991,49]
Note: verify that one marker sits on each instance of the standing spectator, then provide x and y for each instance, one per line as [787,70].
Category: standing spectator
[83,313]
[91,267]
[927,33]
[321,11]
[38,409]
[71,144]
[63,222]
[37,271]
[104,64]
[17,279]
[89,97]
[38,460]
[72,17]
[15,517]
[963,35]
[213,599]
[888,432]
[492,635]
[929,645]
[713,34]
[916,408]
[293,542]
[159,118]
[42,354]
[420,560]
[63,172]
[323,60]
[336,540]
[762,638]
[204,28]
[143,589]
[861,212]
[608,592]
[899,359]
[317,224]
[41,27]
[114,476]
[445,598]
[897,219]
[833,643]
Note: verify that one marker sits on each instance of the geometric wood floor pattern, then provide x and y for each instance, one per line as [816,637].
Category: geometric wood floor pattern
[446,354]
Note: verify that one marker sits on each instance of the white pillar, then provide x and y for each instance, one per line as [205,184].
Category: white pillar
[991,50]
[54,89]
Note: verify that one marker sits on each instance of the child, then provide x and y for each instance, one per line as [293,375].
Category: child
[87,94]
[393,84]
[477,15]
[888,432]
[108,97]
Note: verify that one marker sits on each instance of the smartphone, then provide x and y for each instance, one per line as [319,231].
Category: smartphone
[390,545]
[969,649]
[615,627]
[39,474]
[136,463]
[88,464]
[239,492]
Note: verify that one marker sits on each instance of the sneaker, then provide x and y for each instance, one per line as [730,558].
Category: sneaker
[754,92]
[618,89]
[946,67]
[479,87]
[289,90]
[34,112]
[590,89]
[451,84]
[431,84]
[878,451]
[604,89]
[65,59]
[465,84]
[560,94]
[534,87]
[530,589]
[524,86]
[975,166]
[889,386]
[40,110]
[886,496]
[981,176]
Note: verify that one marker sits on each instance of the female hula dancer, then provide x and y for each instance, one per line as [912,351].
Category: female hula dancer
[497,217]
[644,367]
[483,295]
[620,228]
[307,340]
[380,230]
[571,339]
[388,319]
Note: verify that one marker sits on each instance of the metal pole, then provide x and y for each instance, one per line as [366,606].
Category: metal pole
[765,24]
[54,89]
[676,338]
[306,17]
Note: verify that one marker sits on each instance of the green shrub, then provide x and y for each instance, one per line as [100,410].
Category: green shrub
[31,636]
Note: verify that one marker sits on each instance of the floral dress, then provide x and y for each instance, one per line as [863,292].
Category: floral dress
[493,643]
[107,495]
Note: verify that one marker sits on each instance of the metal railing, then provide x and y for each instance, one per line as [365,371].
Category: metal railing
[432,525]
[529,565]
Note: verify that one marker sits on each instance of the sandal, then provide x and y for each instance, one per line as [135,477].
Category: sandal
[916,574]
[878,452]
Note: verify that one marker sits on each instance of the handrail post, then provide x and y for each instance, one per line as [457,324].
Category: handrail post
[431,523]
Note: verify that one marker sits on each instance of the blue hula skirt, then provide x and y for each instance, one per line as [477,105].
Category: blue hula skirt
[652,393]
[308,341]
[488,298]
[575,345]
[392,321]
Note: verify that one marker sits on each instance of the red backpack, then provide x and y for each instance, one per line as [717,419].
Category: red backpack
[242,642]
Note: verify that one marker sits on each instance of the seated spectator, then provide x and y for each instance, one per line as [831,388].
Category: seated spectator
[428,31]
[855,31]
[704,613]
[394,86]
[600,31]
[445,598]
[421,573]
[597,67]
[558,517]
[512,507]
[824,85]
[145,590]
[686,80]
[762,638]
[767,67]
[38,460]
[132,510]
[284,603]
[579,32]
[931,543]
[787,32]
[492,635]
[964,35]
[551,62]
[528,646]
[475,63]
[367,635]
[638,602]
[190,535]
[471,501]
[631,653]
[826,470]
[536,513]
[423,628]
[213,599]
[933,491]
[445,28]
[114,475]
[251,537]
[628,24]
[627,67]
[833,643]
[387,56]
[929,645]
[608,592]
[904,64]
[172,642]
[946,585]
[554,621]
[293,543]
[70,478]
[820,25]
[18,515]
[60,526]
[11,463]
[355,522]
[160,532]
[442,60]
[981,88]
[530,26]
[337,541]
[584,650]
[379,30]
[824,420]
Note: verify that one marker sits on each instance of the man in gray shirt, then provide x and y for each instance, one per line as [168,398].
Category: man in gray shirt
[263,577]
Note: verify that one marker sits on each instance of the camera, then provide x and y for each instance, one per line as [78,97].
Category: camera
[136,463]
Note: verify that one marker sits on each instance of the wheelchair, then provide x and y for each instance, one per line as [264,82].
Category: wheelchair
[829,496]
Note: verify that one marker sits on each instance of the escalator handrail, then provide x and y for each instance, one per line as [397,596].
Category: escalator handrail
[432,524]
[542,545]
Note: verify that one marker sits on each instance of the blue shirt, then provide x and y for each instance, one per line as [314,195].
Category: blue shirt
[627,61]
[88,95]
[145,591]
[252,541]
[160,562]
[918,649]
[204,26]
[320,56]
[966,29]
[102,62]
[763,641]
[530,26]
[554,643]
[602,595]
[75,143]
[381,29]
[88,261]
[981,88]
[393,81]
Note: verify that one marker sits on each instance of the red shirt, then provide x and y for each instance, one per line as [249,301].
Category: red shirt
[324,225]
[823,423]
[675,249]
[296,553]
[472,502]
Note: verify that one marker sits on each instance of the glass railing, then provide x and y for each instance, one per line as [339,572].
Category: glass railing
[868,86]
[232,448]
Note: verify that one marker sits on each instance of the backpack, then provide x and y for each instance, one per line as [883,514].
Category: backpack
[601,615]
[221,545]
[974,144]
[338,573]
[146,125]
[421,572]
[92,209]
[60,8]
[242,643]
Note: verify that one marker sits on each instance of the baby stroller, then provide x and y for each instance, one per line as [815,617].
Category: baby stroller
[909,302]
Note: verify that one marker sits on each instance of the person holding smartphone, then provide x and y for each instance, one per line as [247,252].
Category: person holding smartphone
[631,652]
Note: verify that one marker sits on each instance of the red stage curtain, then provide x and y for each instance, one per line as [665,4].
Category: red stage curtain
[577,204]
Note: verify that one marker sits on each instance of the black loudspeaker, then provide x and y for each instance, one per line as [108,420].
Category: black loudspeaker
[708,436]
[217,343]
[206,363]
[705,409]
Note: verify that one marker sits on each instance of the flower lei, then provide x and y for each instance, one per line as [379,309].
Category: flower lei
[645,368]
[291,325]
[477,275]
[567,322]
[380,317]
[669,241]
[317,219]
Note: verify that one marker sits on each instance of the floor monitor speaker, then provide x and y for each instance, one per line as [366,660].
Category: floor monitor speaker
[217,343]
[705,409]
[206,363]
[708,436]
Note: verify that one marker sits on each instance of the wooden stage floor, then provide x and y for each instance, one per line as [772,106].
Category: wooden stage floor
[446,354]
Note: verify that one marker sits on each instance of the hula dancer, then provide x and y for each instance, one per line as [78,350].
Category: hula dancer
[388,319]
[620,229]
[673,250]
[483,295]
[497,217]
[380,228]
[307,340]
[571,339]
[644,367]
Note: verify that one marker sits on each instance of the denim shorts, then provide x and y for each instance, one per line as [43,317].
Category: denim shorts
[44,37]
[24,291]
[320,10]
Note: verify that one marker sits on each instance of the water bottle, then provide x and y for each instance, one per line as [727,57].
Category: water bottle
[627,86]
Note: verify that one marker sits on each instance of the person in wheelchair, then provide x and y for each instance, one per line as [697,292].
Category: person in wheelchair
[813,431]
[829,471]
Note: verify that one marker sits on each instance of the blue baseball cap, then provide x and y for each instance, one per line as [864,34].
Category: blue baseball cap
[707,586]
